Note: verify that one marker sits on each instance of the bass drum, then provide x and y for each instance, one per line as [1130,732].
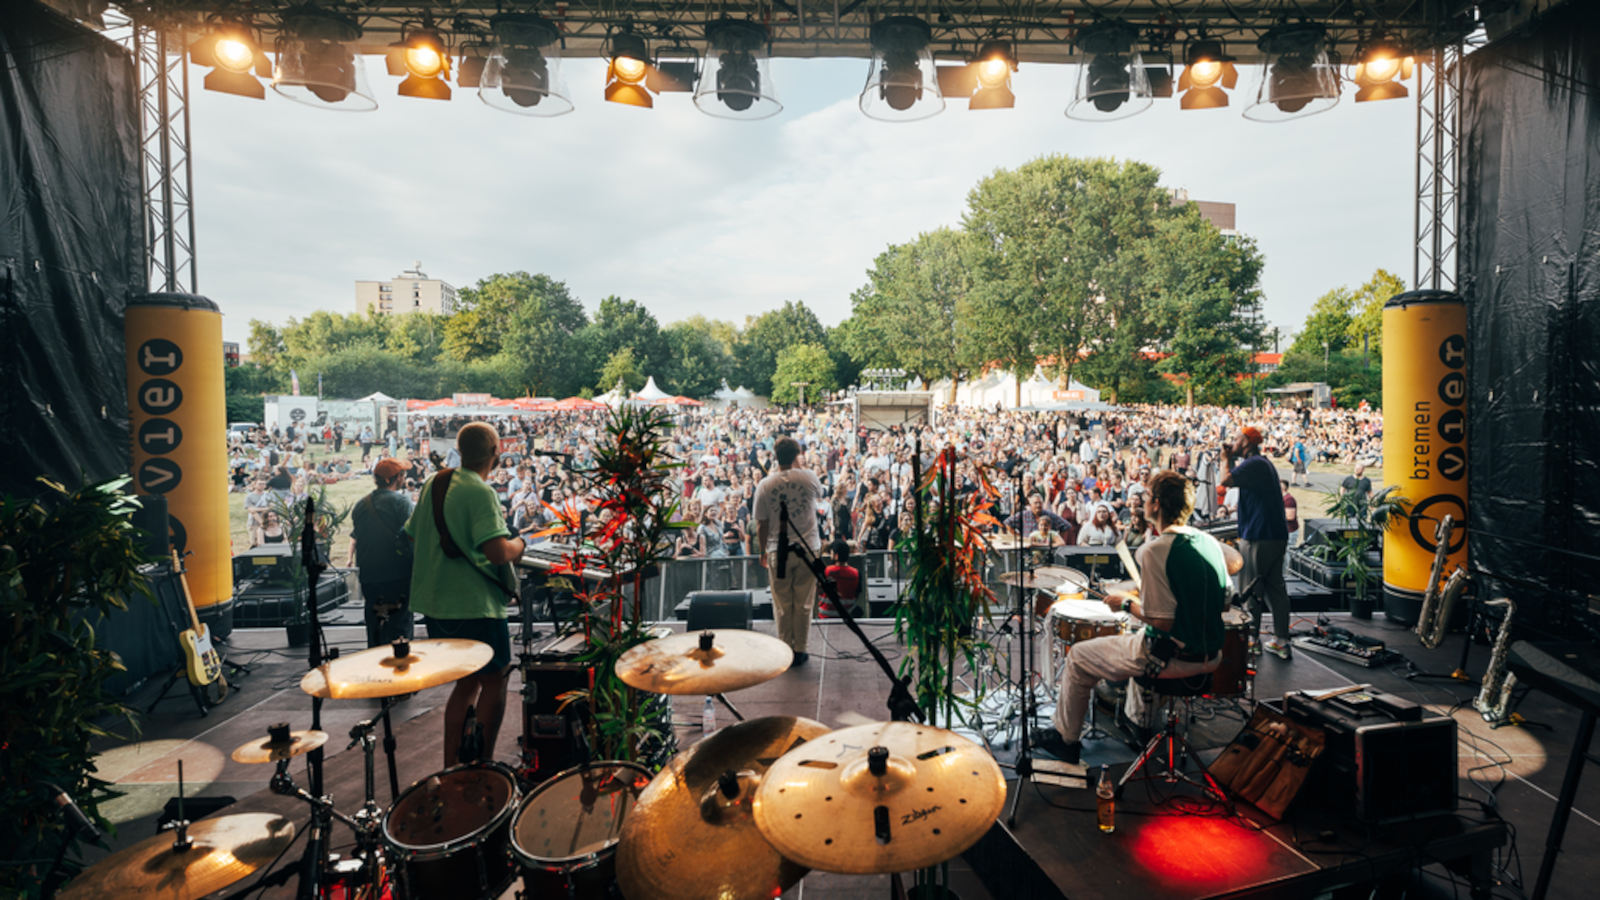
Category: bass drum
[448,833]
[564,836]
[1233,676]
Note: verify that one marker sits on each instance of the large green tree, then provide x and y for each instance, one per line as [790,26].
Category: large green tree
[805,362]
[1206,300]
[626,324]
[908,314]
[697,361]
[418,337]
[766,335]
[265,344]
[622,367]
[1050,237]
[544,353]
[1366,310]
[325,332]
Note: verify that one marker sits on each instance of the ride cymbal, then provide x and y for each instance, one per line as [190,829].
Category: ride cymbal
[704,662]
[221,851]
[885,797]
[379,672]
[687,839]
[277,746]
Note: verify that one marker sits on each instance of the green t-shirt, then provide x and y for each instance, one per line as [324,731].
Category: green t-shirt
[1185,580]
[446,588]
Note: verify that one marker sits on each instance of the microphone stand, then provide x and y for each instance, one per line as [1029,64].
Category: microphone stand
[1024,764]
[902,704]
[316,845]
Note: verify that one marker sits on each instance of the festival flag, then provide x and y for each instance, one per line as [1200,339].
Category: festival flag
[294,382]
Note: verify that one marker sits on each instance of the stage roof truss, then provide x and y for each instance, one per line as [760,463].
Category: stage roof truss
[1043,32]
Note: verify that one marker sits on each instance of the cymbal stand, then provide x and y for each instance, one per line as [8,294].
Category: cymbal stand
[365,824]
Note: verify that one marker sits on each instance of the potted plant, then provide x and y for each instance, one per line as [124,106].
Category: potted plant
[67,559]
[1370,517]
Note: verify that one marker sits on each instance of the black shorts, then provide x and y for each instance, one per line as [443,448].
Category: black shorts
[494,632]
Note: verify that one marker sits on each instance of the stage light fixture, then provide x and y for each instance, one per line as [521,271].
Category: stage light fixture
[676,69]
[1158,72]
[737,83]
[625,75]
[1298,80]
[427,64]
[1208,75]
[1113,83]
[523,74]
[318,64]
[991,71]
[474,58]
[901,84]
[235,57]
[1381,70]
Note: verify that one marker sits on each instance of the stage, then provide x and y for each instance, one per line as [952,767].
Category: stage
[1167,844]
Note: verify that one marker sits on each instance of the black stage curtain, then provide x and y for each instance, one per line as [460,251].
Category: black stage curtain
[71,247]
[1530,272]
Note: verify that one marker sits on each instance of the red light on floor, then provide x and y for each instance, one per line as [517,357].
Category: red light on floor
[1197,851]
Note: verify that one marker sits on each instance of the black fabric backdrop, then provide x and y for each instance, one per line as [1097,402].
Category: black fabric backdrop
[1530,272]
[71,247]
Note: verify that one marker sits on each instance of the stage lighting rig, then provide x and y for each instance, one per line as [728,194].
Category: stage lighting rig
[1298,80]
[992,69]
[317,61]
[523,74]
[738,82]
[1113,83]
[901,85]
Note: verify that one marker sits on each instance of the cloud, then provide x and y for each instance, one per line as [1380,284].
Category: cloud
[693,214]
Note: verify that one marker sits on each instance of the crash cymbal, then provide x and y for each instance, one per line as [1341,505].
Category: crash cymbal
[681,664]
[686,839]
[379,673]
[1045,578]
[1003,541]
[885,797]
[282,744]
[221,851]
[1232,558]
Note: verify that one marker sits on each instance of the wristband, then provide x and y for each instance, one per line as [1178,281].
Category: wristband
[1127,604]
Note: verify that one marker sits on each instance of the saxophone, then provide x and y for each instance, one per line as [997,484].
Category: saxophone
[1434,616]
[1494,698]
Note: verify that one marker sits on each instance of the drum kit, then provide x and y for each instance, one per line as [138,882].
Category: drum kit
[745,812]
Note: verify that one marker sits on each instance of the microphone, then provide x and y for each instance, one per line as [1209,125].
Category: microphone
[77,822]
[783,538]
[554,454]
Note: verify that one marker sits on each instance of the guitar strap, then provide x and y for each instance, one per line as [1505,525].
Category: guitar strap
[452,550]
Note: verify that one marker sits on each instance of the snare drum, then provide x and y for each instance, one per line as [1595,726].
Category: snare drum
[1232,676]
[448,833]
[564,836]
[1075,620]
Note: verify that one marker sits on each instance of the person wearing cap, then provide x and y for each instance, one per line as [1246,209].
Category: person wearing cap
[1263,534]
[381,552]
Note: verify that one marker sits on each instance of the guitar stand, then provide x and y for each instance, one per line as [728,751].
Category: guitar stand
[195,693]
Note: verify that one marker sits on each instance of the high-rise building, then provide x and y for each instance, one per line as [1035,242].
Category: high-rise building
[1222,215]
[410,291]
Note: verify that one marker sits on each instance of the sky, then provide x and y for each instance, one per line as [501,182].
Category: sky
[690,214]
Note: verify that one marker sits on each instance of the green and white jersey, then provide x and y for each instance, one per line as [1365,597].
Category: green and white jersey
[1183,578]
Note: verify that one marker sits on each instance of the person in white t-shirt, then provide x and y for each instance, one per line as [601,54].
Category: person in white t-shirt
[793,593]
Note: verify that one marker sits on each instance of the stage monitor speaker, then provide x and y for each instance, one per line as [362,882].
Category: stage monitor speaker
[719,609]
[1384,761]
[155,533]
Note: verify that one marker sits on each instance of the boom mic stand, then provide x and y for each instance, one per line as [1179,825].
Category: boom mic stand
[316,845]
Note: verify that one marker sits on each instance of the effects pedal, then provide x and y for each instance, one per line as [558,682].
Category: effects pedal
[1347,651]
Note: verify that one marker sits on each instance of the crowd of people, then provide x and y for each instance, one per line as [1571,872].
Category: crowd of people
[1062,478]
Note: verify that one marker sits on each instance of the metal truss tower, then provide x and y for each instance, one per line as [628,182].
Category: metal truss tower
[164,149]
[1437,224]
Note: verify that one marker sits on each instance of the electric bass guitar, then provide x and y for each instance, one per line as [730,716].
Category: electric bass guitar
[201,661]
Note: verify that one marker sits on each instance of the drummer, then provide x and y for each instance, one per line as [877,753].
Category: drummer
[1183,587]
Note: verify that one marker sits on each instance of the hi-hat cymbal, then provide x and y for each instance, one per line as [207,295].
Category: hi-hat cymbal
[221,851]
[885,797]
[686,839]
[377,672]
[270,750]
[1045,578]
[680,664]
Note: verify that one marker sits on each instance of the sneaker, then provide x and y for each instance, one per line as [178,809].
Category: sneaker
[1280,649]
[1050,741]
[800,658]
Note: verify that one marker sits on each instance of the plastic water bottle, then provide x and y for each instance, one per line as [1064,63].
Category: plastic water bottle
[1106,802]
[708,716]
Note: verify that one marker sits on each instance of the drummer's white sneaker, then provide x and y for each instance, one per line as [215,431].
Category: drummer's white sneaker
[1280,649]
